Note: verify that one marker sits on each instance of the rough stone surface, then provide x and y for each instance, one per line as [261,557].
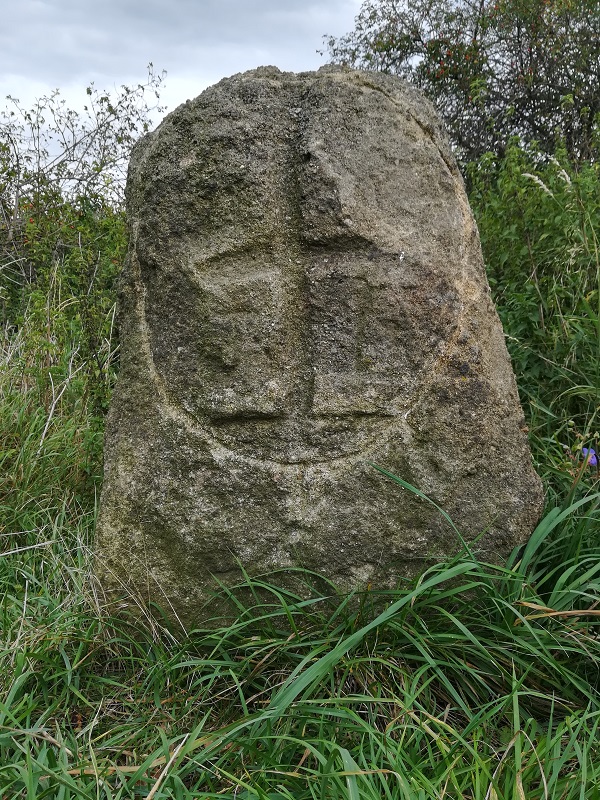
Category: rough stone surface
[304,295]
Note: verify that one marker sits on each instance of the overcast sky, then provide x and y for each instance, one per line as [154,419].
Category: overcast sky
[49,44]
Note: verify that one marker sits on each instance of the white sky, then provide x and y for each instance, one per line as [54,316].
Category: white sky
[66,44]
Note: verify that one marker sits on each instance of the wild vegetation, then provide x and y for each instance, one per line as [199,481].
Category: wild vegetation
[493,68]
[475,681]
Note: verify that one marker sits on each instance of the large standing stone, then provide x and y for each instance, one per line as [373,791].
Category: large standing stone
[305,294]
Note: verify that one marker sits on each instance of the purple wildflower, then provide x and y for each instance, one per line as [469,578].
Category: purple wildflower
[590,455]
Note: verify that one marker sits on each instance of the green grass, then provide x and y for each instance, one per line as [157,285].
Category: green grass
[475,681]
[539,222]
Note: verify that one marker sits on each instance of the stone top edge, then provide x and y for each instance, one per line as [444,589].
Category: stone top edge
[392,85]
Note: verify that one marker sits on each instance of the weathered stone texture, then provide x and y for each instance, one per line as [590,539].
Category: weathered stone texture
[305,294]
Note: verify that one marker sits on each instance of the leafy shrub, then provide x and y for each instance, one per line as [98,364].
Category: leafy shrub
[539,220]
[493,68]
[62,241]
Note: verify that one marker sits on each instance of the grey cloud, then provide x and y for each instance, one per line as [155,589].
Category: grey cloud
[70,41]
